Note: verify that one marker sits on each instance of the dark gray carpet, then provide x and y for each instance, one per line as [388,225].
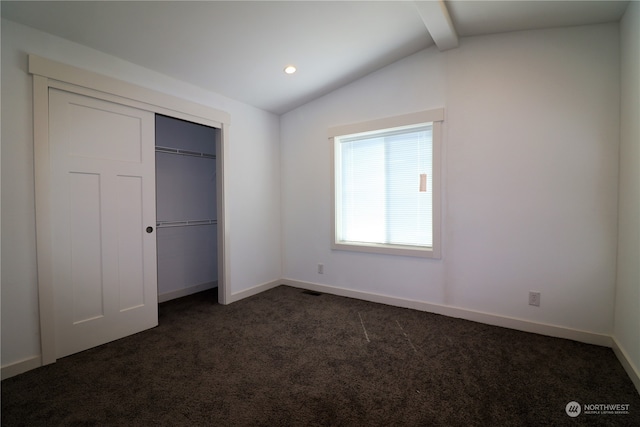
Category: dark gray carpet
[284,358]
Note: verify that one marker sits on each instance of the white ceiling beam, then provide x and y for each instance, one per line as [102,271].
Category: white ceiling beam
[436,18]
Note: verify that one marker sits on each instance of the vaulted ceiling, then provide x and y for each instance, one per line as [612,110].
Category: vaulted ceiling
[240,48]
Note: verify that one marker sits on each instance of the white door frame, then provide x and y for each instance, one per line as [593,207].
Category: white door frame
[50,74]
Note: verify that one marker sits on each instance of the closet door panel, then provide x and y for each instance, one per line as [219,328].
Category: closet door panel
[102,133]
[102,199]
[130,242]
[86,247]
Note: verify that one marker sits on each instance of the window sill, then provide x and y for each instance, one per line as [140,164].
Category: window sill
[378,248]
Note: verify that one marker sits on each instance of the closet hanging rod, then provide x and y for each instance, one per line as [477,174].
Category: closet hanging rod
[167,224]
[179,151]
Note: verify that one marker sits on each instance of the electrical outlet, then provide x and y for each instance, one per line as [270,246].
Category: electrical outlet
[534,298]
[320,268]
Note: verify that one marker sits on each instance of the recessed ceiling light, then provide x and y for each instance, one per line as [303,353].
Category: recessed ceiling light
[290,69]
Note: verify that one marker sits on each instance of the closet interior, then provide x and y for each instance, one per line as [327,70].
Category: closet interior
[186,222]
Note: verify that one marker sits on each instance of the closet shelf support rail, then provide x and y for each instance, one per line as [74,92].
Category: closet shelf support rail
[179,151]
[167,224]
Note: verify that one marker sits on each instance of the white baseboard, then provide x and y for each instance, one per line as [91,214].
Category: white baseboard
[167,296]
[461,313]
[20,367]
[254,290]
[627,363]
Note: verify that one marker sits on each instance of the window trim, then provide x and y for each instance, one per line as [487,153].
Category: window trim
[436,117]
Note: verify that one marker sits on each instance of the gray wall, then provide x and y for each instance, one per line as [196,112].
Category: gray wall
[185,191]
[627,314]
[529,171]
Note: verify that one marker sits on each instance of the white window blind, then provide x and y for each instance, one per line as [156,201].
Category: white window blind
[384,187]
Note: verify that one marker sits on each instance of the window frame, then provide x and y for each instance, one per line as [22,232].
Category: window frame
[435,117]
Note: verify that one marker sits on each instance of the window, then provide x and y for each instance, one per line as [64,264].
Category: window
[386,185]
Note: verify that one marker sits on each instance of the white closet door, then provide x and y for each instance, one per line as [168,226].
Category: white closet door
[103,200]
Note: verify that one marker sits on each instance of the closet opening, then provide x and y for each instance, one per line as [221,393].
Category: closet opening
[186,207]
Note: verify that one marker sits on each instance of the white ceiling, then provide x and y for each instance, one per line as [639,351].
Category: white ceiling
[239,48]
